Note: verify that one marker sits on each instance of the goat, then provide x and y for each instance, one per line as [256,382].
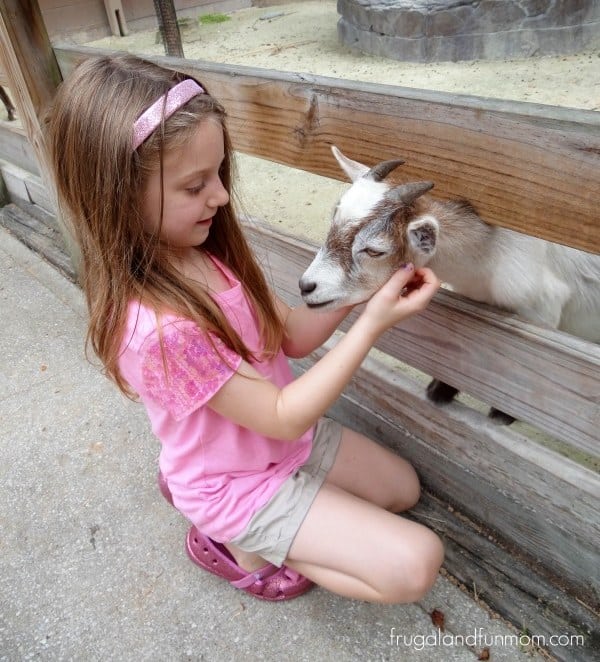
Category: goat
[378,226]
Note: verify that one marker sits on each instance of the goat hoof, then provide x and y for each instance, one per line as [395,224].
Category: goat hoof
[440,393]
[500,417]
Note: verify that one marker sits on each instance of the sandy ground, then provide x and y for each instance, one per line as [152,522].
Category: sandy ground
[302,37]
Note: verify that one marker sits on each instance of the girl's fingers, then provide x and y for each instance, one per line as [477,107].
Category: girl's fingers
[428,276]
[408,280]
[408,290]
[421,289]
[399,280]
[423,279]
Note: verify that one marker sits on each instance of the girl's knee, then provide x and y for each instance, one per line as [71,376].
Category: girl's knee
[415,570]
[426,564]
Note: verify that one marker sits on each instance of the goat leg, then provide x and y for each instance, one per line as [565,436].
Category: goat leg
[440,392]
[500,417]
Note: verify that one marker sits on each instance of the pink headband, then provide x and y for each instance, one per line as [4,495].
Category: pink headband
[147,122]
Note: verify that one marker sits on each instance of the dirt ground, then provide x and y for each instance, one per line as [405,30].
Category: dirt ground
[302,37]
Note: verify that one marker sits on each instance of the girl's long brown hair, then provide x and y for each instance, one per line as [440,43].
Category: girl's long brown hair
[100,182]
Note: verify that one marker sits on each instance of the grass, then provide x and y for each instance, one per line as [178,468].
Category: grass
[209,19]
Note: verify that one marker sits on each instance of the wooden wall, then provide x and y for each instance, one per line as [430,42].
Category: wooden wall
[84,20]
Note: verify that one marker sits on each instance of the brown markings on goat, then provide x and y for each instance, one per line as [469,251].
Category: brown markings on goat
[339,245]
[393,219]
[398,218]
[461,220]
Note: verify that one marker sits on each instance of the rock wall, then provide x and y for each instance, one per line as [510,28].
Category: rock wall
[452,30]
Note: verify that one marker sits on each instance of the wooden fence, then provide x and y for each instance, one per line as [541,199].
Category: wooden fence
[520,518]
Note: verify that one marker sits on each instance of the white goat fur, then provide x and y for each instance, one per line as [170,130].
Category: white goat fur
[376,227]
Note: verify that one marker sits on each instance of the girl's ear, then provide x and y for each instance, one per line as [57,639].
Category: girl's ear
[423,235]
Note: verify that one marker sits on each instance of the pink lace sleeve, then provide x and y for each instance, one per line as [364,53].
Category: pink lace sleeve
[194,370]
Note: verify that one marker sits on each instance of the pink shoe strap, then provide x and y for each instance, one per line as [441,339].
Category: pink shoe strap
[256,576]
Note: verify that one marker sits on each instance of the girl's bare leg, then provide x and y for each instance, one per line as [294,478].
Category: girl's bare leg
[375,473]
[357,549]
[351,544]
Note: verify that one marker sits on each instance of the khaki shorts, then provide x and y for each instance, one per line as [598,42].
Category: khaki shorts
[272,529]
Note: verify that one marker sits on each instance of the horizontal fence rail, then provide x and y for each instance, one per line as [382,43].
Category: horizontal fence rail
[527,167]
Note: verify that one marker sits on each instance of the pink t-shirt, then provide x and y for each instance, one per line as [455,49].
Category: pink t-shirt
[219,473]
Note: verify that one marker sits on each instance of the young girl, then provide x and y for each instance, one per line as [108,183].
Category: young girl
[182,318]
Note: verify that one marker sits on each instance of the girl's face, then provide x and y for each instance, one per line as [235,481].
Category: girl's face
[193,190]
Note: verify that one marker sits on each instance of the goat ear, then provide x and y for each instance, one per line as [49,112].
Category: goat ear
[407,193]
[353,169]
[423,235]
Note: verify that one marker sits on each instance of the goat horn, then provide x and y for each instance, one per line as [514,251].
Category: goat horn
[382,170]
[407,193]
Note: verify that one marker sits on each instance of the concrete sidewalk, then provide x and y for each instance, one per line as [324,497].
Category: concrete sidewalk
[92,562]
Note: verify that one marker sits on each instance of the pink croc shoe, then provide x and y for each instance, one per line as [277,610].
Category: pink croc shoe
[268,583]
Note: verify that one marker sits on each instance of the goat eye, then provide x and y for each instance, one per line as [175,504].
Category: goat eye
[371,252]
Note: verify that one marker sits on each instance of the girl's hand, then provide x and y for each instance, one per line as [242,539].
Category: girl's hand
[407,292]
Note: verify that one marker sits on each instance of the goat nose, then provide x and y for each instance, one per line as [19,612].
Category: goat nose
[306,286]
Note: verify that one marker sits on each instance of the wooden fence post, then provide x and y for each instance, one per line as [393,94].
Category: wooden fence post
[33,75]
[168,26]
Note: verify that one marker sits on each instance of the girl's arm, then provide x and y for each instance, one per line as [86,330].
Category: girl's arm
[307,329]
[286,413]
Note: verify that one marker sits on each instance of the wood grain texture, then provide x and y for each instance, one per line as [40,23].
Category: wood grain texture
[31,68]
[527,167]
[466,461]
[509,585]
[539,502]
[76,16]
[27,59]
[39,230]
[15,148]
